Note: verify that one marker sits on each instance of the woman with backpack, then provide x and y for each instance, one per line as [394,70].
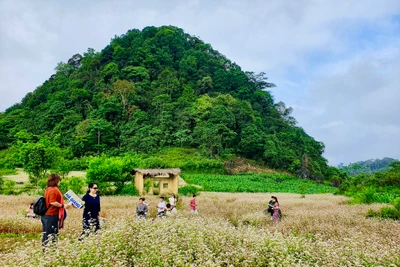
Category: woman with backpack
[53,219]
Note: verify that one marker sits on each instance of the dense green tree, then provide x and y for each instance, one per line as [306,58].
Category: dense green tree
[38,158]
[110,72]
[252,142]
[116,171]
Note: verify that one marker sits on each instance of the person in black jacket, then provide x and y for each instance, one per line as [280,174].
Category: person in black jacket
[91,222]
[271,206]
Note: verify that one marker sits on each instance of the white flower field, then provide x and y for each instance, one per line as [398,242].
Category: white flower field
[230,230]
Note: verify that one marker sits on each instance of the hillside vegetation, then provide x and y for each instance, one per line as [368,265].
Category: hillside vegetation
[161,87]
[368,166]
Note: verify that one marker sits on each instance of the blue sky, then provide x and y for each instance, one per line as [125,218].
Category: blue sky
[335,62]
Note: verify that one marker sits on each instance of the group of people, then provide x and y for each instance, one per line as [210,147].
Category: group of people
[163,208]
[167,208]
[53,219]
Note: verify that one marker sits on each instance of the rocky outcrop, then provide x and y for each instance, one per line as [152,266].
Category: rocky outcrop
[75,61]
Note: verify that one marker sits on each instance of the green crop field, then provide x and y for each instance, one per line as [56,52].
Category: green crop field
[256,183]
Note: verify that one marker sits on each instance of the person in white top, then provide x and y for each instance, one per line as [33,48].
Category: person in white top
[171,210]
[161,207]
[173,200]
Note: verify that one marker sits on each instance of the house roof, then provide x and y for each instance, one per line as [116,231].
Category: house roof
[155,172]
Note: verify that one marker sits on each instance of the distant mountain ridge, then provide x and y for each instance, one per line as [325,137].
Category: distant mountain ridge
[367,166]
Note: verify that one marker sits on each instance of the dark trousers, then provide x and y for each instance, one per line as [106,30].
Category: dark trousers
[90,225]
[50,228]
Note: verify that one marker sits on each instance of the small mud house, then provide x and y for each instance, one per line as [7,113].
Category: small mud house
[156,181]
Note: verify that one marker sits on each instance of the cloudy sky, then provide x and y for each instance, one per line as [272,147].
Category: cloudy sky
[337,63]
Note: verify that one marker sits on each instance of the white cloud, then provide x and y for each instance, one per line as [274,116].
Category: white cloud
[360,108]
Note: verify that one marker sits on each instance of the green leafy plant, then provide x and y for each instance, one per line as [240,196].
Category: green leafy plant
[390,213]
[76,184]
[256,183]
[188,190]
[9,188]
[156,191]
[129,190]
[148,183]
[396,203]
[1,184]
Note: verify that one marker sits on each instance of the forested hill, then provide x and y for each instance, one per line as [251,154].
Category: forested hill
[162,87]
[368,166]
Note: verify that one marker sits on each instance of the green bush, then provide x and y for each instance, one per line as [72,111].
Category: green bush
[80,164]
[43,183]
[372,213]
[147,184]
[64,186]
[8,172]
[154,162]
[9,188]
[1,183]
[129,190]
[76,184]
[367,196]
[106,189]
[303,187]
[203,165]
[390,213]
[27,188]
[156,191]
[384,197]
[9,159]
[188,190]
[396,203]
[64,167]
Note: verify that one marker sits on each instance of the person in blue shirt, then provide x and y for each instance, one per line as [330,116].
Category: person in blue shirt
[91,200]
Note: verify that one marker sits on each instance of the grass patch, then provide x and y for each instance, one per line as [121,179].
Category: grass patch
[8,172]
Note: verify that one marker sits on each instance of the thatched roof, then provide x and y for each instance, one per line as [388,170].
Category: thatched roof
[156,172]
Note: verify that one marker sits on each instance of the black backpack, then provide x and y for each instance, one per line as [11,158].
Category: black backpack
[39,207]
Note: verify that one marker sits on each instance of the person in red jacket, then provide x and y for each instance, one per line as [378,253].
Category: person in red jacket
[53,220]
[193,205]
